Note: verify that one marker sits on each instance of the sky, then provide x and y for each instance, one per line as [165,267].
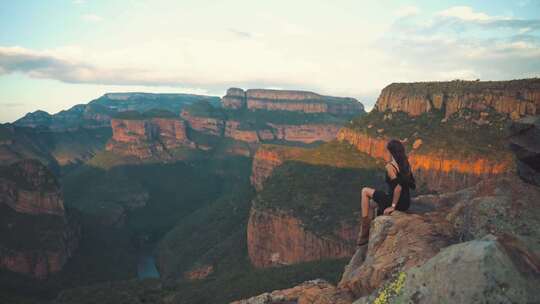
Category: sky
[58,53]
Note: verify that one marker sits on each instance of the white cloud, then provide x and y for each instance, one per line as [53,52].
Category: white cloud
[464,13]
[406,11]
[91,18]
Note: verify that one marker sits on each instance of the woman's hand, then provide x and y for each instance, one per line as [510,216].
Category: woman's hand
[389,210]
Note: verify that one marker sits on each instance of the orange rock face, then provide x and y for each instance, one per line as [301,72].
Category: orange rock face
[437,172]
[233,130]
[204,124]
[145,138]
[264,162]
[32,190]
[515,98]
[280,239]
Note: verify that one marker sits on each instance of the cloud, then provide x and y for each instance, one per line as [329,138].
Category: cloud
[460,42]
[91,18]
[56,65]
[464,13]
[406,11]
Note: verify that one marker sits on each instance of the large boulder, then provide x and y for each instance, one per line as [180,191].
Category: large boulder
[504,205]
[397,243]
[488,270]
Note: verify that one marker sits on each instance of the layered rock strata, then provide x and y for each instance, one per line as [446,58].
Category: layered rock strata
[277,238]
[438,172]
[296,101]
[38,237]
[516,98]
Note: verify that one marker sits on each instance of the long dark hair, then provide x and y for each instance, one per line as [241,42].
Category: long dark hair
[397,150]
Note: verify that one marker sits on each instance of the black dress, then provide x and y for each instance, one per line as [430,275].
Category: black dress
[384,200]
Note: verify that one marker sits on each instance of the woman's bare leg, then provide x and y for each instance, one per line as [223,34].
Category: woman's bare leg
[367,193]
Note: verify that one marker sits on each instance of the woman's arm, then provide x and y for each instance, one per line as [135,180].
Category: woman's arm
[397,194]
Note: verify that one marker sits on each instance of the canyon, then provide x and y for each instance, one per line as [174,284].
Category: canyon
[250,117]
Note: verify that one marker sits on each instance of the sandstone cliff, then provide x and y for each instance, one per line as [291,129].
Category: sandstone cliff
[37,236]
[146,138]
[277,238]
[266,159]
[437,170]
[454,247]
[297,101]
[514,98]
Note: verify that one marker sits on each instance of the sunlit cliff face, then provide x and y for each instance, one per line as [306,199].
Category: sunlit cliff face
[438,171]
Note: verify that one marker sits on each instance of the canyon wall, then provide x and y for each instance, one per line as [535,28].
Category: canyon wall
[438,172]
[515,98]
[266,160]
[277,238]
[38,237]
[145,138]
[286,100]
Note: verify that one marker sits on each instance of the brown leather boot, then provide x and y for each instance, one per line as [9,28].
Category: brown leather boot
[364,231]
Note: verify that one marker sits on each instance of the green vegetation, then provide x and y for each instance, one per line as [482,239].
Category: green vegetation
[460,87]
[319,192]
[33,232]
[223,288]
[458,136]
[153,113]
[259,119]
[392,290]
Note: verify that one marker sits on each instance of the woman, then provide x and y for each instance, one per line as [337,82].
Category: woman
[399,178]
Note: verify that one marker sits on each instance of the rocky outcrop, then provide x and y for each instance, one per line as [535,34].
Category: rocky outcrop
[525,143]
[209,125]
[296,101]
[145,138]
[396,243]
[514,98]
[277,238]
[234,130]
[310,292]
[37,236]
[28,187]
[307,134]
[438,172]
[488,270]
[266,160]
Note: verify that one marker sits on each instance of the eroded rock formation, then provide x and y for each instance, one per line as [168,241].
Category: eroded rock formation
[396,243]
[145,138]
[38,237]
[297,101]
[277,238]
[514,98]
[438,172]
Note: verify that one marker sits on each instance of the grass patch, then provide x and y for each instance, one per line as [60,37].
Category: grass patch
[458,137]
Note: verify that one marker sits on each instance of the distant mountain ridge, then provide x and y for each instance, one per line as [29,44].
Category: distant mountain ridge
[98,112]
